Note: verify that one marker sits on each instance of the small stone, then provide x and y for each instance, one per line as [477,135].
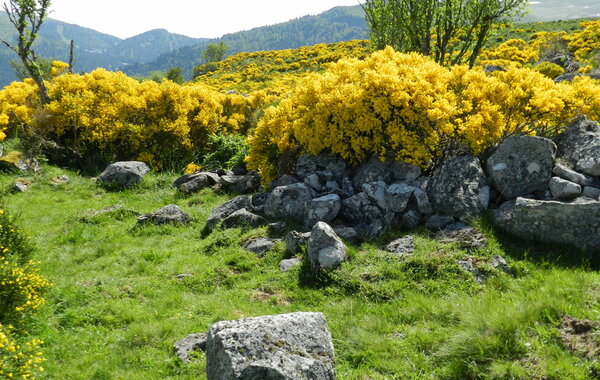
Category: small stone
[571,175]
[563,189]
[259,246]
[168,214]
[410,219]
[243,218]
[402,246]
[288,264]
[182,276]
[277,228]
[21,185]
[60,180]
[189,344]
[294,240]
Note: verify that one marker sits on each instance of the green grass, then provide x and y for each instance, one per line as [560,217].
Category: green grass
[115,307]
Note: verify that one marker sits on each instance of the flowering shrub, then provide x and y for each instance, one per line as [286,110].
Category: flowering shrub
[109,116]
[18,360]
[585,44]
[409,105]
[549,69]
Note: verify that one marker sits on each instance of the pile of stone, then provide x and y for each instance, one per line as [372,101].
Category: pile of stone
[543,190]
[237,181]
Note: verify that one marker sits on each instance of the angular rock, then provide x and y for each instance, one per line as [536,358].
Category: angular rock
[260,245]
[169,214]
[325,249]
[123,174]
[314,181]
[422,201]
[289,264]
[397,196]
[240,184]
[575,223]
[212,178]
[193,342]
[258,202]
[221,212]
[359,209]
[347,233]
[323,209]
[284,347]
[243,218]
[195,184]
[16,160]
[295,240]
[571,175]
[372,170]
[459,188]
[402,246]
[580,146]
[591,192]
[289,202]
[563,189]
[521,165]
[376,192]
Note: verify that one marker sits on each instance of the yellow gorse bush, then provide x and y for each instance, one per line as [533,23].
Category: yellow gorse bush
[409,105]
[19,360]
[111,114]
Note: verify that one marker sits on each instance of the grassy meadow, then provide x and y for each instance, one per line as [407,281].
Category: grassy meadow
[116,306]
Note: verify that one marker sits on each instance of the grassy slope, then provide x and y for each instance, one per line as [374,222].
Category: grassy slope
[116,308]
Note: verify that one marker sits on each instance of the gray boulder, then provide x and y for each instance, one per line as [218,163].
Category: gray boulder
[323,209]
[359,209]
[240,184]
[325,249]
[260,246]
[243,218]
[289,202]
[422,201]
[572,223]
[169,214]
[123,174]
[285,347]
[564,172]
[563,189]
[220,213]
[284,180]
[580,146]
[347,233]
[325,164]
[410,219]
[522,165]
[195,184]
[459,188]
[437,222]
[376,192]
[397,196]
[258,202]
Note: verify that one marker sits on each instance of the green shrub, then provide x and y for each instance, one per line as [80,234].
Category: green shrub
[549,69]
[226,151]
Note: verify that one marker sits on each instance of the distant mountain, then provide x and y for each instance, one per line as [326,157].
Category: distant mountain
[335,25]
[552,10]
[92,49]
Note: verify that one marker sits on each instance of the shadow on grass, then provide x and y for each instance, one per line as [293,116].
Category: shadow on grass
[542,253]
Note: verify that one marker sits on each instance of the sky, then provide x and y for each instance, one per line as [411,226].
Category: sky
[199,18]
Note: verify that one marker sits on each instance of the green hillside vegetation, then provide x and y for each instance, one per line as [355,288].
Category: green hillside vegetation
[116,305]
[551,10]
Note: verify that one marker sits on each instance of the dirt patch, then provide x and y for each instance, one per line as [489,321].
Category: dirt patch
[581,336]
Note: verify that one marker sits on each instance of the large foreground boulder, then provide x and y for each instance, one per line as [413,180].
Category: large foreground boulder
[284,347]
[522,165]
[573,223]
[459,188]
[123,174]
